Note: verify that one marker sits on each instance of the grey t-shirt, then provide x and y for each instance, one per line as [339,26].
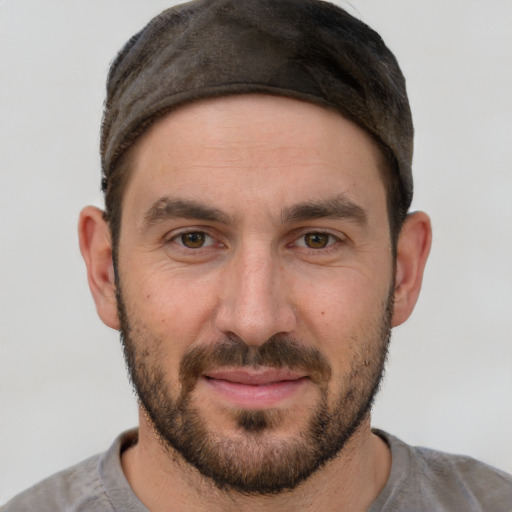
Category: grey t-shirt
[420,480]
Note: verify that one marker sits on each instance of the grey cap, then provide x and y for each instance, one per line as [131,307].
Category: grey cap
[311,50]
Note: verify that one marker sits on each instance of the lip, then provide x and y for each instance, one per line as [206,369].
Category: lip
[255,388]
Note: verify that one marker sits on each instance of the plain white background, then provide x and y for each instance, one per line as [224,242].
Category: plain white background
[64,394]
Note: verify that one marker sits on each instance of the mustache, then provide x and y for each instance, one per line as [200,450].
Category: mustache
[277,352]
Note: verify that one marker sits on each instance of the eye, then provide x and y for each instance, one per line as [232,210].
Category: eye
[194,239]
[316,240]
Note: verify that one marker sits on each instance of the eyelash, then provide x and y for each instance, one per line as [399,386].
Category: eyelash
[178,239]
[331,241]
[331,244]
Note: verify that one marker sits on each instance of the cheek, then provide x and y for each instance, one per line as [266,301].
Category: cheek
[344,317]
[171,307]
[341,300]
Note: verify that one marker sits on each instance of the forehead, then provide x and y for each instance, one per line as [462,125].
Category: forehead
[253,147]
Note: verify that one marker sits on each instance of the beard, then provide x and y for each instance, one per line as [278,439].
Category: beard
[252,461]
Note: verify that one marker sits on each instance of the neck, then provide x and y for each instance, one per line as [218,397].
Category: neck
[164,482]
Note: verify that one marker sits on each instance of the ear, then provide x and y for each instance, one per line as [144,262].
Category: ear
[96,249]
[412,252]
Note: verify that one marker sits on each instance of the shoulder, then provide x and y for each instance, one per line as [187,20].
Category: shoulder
[421,477]
[77,488]
[95,485]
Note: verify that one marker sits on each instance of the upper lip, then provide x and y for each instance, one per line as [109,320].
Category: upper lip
[254,376]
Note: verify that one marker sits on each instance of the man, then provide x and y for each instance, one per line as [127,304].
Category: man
[254,252]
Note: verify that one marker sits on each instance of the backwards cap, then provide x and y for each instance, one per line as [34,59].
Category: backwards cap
[310,50]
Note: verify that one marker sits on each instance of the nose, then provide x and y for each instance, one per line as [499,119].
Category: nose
[255,302]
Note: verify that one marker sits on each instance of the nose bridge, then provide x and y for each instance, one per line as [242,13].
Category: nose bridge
[254,304]
[257,275]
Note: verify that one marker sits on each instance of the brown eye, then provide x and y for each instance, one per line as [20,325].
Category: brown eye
[317,240]
[193,240]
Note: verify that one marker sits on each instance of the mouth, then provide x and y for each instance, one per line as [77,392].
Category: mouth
[255,388]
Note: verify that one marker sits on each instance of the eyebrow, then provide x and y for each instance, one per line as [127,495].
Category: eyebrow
[169,208]
[337,207]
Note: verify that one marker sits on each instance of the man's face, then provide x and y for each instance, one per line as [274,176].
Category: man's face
[255,284]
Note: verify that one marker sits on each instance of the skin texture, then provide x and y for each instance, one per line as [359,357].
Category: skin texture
[248,219]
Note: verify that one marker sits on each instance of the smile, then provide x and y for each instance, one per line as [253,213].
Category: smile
[255,389]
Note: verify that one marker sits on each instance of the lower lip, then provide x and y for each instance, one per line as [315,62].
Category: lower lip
[256,396]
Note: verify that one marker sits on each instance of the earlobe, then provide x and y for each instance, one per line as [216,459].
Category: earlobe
[96,249]
[412,253]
